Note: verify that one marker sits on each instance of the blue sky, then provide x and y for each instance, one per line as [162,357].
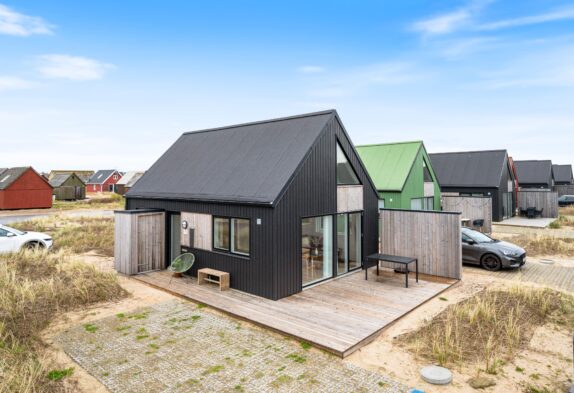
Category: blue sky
[112,84]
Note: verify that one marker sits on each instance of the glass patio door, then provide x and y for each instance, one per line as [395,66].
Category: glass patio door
[175,236]
[316,249]
[349,242]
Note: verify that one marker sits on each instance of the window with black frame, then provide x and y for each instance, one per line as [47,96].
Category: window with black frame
[231,235]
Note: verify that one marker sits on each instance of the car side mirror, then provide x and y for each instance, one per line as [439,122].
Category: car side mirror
[470,242]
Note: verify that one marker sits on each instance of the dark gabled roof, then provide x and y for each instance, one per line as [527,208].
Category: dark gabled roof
[469,169]
[9,175]
[58,180]
[562,173]
[101,176]
[533,171]
[245,163]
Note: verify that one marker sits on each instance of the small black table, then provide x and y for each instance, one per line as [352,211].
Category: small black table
[373,260]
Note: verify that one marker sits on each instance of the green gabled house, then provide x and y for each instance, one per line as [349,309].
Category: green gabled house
[403,175]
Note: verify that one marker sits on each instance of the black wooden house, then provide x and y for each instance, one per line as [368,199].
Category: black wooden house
[279,204]
[486,173]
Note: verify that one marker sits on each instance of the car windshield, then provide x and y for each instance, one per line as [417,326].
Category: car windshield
[14,231]
[479,237]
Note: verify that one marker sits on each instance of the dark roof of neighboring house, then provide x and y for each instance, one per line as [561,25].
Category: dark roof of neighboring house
[469,169]
[9,175]
[562,173]
[101,176]
[58,180]
[61,178]
[533,171]
[245,163]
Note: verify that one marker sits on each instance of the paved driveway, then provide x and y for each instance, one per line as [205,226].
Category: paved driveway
[177,346]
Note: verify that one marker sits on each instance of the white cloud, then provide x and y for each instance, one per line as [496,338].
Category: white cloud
[443,24]
[72,67]
[310,69]
[454,49]
[14,23]
[562,14]
[14,83]
[450,21]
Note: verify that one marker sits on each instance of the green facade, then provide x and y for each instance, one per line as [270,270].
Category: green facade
[397,169]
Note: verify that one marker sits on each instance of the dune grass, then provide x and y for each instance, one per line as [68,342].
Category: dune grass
[537,246]
[34,287]
[109,201]
[562,221]
[76,234]
[567,210]
[490,327]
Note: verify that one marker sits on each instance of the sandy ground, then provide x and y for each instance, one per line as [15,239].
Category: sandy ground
[141,295]
[546,362]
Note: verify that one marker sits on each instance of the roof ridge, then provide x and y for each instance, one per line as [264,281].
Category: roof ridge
[390,143]
[470,151]
[320,113]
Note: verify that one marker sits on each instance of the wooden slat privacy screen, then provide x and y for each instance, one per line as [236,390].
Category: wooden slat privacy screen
[546,200]
[473,208]
[139,241]
[432,237]
[564,189]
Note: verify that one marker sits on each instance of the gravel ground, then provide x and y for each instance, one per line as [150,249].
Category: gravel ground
[177,346]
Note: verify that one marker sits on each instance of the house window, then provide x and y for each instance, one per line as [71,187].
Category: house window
[231,235]
[422,203]
[115,177]
[381,203]
[94,187]
[345,172]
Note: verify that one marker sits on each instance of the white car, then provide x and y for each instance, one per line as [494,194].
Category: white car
[13,240]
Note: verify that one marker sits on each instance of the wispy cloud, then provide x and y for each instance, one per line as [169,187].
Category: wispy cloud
[544,69]
[15,23]
[72,67]
[454,49]
[450,21]
[556,15]
[348,82]
[15,83]
[310,69]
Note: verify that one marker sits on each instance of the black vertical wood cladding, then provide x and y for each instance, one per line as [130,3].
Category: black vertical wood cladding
[313,192]
[251,274]
[274,267]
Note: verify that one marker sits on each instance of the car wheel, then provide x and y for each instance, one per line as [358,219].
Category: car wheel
[33,246]
[491,262]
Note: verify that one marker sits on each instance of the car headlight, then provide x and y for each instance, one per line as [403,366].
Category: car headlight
[509,253]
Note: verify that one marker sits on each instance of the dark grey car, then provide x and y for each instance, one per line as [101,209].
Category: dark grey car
[491,254]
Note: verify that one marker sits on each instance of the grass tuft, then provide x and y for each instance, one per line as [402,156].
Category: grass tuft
[490,327]
[34,287]
[75,234]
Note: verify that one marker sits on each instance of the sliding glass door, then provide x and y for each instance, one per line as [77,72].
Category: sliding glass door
[317,248]
[349,241]
[355,240]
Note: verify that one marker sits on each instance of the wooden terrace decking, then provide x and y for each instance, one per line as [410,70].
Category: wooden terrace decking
[339,316]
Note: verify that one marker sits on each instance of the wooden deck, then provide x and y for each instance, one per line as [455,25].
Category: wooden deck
[339,316]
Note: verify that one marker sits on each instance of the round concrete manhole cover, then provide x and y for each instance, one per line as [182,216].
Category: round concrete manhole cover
[547,261]
[436,375]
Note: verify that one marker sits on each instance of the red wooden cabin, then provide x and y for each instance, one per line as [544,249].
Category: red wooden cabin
[103,181]
[24,188]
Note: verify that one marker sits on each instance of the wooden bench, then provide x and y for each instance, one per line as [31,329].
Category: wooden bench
[213,276]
